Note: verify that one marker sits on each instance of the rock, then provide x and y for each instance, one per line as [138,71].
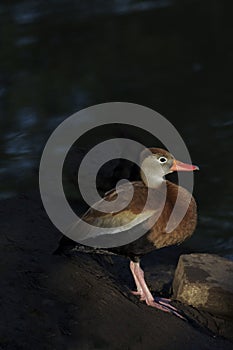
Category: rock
[83,301]
[205,281]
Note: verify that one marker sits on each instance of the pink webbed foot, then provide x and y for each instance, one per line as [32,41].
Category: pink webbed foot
[143,291]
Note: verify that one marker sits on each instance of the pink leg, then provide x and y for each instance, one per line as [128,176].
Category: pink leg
[145,294]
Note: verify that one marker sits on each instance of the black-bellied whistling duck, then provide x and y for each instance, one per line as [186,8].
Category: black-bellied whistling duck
[155,165]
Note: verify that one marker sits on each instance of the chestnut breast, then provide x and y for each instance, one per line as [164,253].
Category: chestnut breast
[158,235]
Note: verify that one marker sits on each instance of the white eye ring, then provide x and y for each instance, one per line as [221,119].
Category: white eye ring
[162,160]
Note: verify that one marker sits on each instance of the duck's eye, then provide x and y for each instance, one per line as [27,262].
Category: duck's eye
[162,160]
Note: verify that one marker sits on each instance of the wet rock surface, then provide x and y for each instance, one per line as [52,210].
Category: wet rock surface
[83,301]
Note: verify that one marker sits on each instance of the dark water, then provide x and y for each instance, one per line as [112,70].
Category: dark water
[173,56]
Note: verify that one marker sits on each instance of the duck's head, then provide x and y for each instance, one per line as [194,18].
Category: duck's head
[157,162]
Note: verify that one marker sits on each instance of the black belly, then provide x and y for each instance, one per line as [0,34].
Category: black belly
[136,249]
[133,250]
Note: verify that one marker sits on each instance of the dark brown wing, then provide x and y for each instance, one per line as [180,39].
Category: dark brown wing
[101,223]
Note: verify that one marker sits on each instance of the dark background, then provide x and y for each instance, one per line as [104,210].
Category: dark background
[174,56]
